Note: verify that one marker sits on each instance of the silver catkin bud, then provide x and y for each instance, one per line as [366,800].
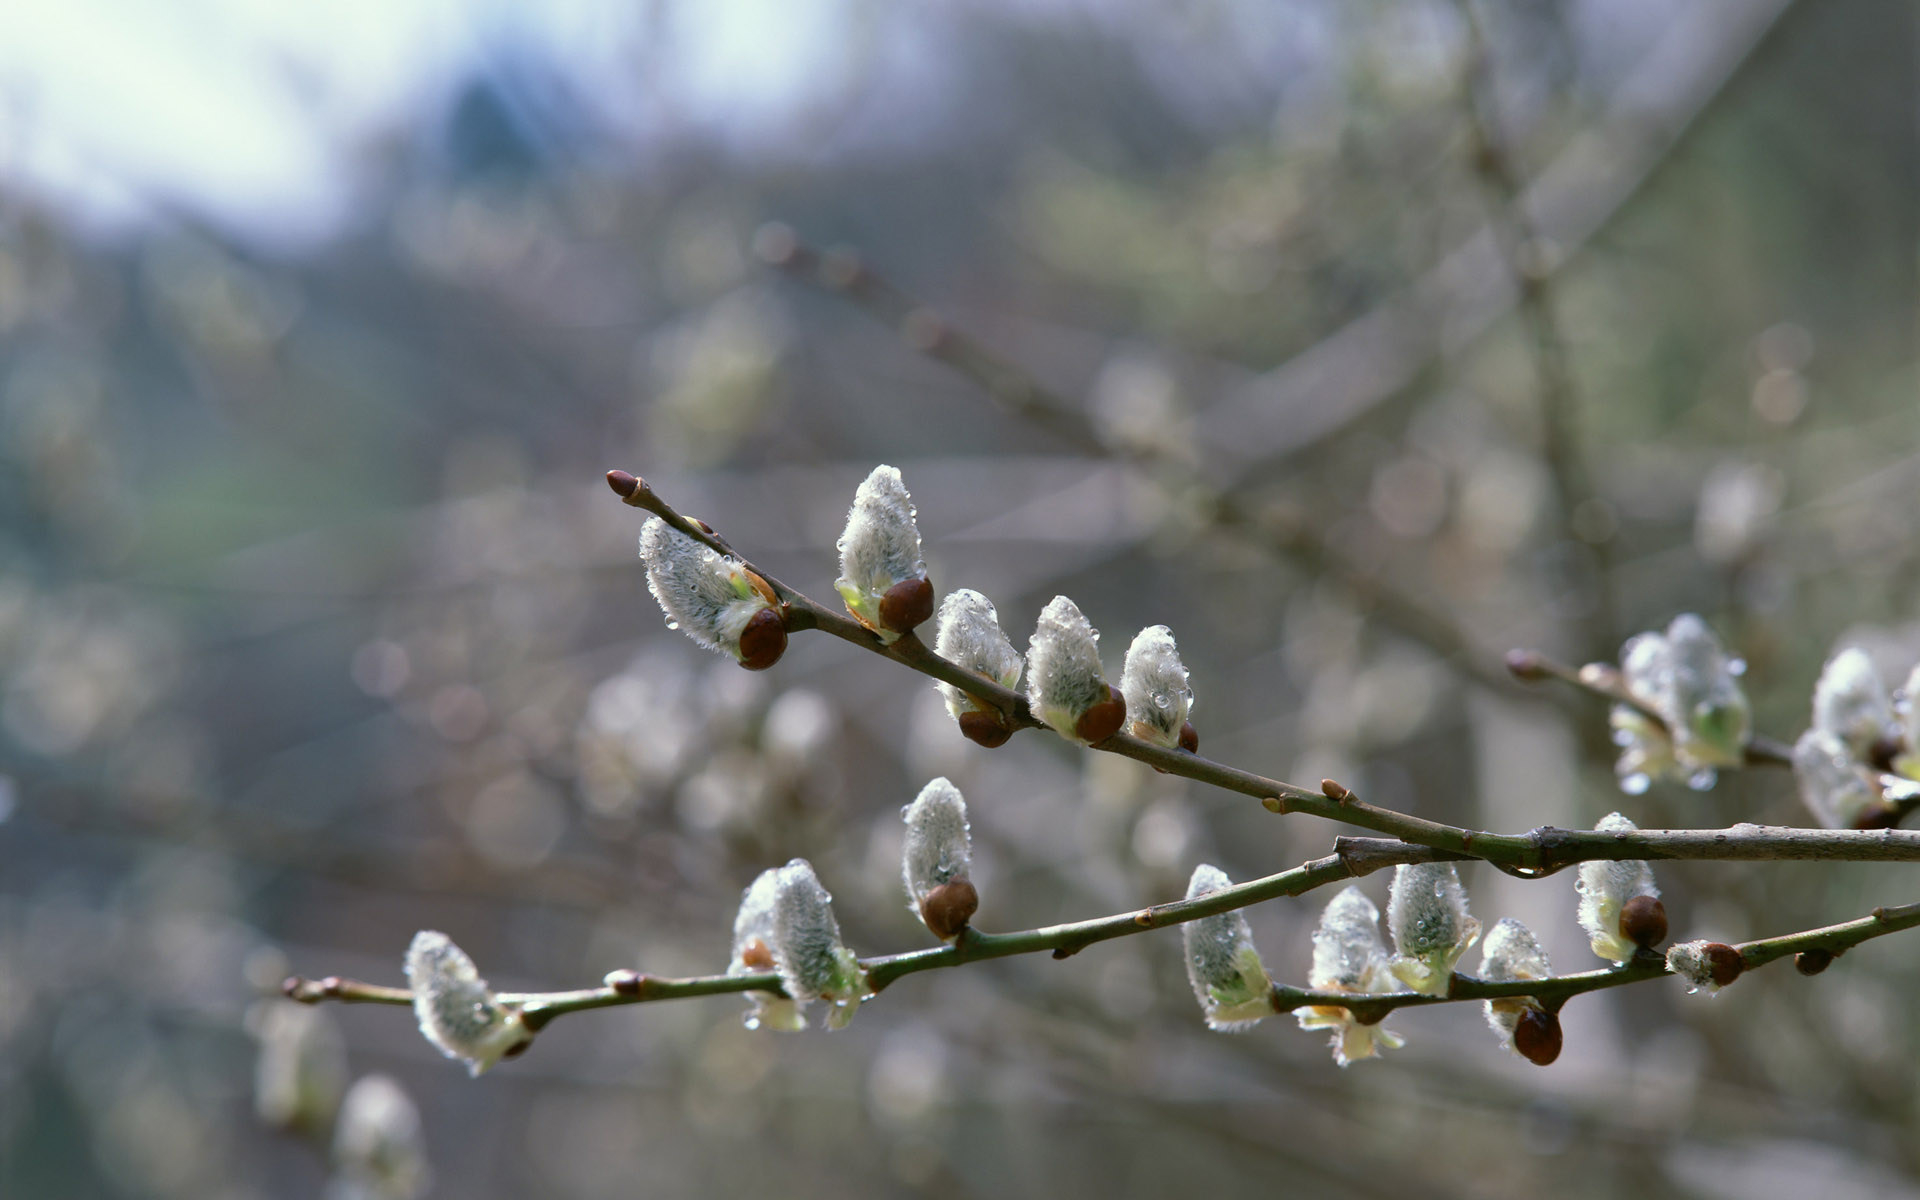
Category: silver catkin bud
[937,849]
[1431,927]
[1348,956]
[456,1010]
[704,594]
[1064,678]
[1511,952]
[970,637]
[1605,888]
[813,962]
[1224,967]
[1851,704]
[1154,681]
[753,938]
[378,1148]
[879,551]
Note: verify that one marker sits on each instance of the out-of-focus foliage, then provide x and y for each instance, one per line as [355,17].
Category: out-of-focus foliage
[318,626]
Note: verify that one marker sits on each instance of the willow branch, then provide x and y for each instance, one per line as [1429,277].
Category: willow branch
[627,987]
[1604,681]
[1533,854]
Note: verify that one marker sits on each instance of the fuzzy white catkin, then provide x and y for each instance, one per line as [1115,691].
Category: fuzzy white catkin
[1690,961]
[1348,956]
[880,546]
[302,1068]
[1431,927]
[1834,787]
[455,1009]
[753,936]
[704,594]
[814,964]
[1605,888]
[379,1152]
[1154,681]
[1706,708]
[970,637]
[1851,703]
[1511,952]
[1064,678]
[937,848]
[1223,965]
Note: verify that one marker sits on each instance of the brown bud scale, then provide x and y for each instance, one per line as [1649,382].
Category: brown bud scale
[984,728]
[907,604]
[1723,963]
[1101,721]
[763,641]
[947,908]
[1537,1036]
[757,954]
[1189,738]
[1812,962]
[1643,921]
[623,483]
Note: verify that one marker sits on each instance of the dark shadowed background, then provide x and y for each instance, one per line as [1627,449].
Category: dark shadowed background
[1389,336]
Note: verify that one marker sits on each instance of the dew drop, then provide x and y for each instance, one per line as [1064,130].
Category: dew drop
[1737,666]
[673,624]
[1160,700]
[751,1020]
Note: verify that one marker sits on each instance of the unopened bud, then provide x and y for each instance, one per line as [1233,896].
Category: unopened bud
[1643,921]
[985,728]
[1536,1035]
[936,857]
[883,578]
[456,1010]
[1065,685]
[713,599]
[947,908]
[1154,683]
[1710,965]
[1812,962]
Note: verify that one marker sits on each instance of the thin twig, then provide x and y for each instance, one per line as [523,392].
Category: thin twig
[1605,681]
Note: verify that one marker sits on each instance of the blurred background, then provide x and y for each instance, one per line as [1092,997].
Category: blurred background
[1357,342]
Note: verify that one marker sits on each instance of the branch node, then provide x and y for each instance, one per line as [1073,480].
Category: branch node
[626,982]
[1274,804]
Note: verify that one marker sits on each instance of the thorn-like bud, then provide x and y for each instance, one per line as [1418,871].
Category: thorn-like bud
[1431,927]
[883,579]
[1812,962]
[713,599]
[1710,965]
[378,1148]
[814,964]
[1643,921]
[1333,789]
[1527,665]
[1605,890]
[456,1010]
[1065,685]
[624,483]
[753,955]
[1223,965]
[1537,1036]
[1348,956]
[1155,687]
[969,637]
[625,982]
[1512,952]
[935,859]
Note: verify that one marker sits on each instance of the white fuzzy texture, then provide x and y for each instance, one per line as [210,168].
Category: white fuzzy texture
[705,594]
[1348,956]
[970,637]
[754,924]
[1689,961]
[814,964]
[1064,678]
[1511,952]
[880,546]
[378,1147]
[1836,788]
[938,847]
[1224,967]
[1850,702]
[1605,888]
[1687,678]
[1646,752]
[1154,682]
[455,1009]
[1431,927]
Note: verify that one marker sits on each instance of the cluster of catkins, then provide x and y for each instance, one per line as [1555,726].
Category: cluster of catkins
[726,607]
[1429,929]
[1858,765]
[1705,721]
